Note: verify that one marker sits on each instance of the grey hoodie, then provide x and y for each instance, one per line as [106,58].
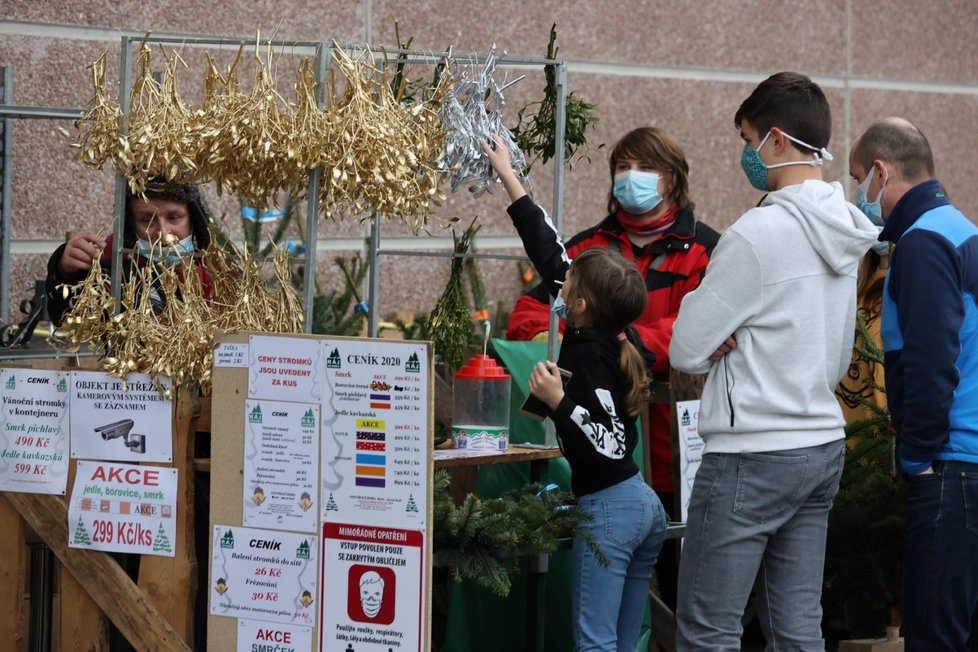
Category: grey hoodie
[782,281]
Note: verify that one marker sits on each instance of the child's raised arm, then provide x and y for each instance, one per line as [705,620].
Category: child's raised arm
[499,159]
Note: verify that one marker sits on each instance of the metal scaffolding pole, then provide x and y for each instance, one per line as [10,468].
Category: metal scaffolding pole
[6,138]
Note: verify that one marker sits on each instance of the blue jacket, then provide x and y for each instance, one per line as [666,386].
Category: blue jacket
[930,329]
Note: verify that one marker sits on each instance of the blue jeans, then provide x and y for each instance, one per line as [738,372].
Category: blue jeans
[608,602]
[757,520]
[940,560]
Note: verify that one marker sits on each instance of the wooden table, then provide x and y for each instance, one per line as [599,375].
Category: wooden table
[537,456]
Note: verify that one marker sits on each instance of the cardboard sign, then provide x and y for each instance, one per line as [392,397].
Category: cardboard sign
[375,448]
[690,450]
[264,574]
[281,458]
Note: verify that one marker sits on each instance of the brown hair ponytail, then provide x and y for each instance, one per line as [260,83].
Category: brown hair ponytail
[616,296]
[632,368]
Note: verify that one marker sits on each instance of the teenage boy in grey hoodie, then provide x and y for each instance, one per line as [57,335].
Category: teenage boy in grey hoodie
[772,325]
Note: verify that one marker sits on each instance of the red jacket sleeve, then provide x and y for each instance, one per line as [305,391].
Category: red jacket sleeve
[529,318]
[655,326]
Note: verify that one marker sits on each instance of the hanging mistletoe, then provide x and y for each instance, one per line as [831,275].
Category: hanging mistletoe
[450,323]
[536,134]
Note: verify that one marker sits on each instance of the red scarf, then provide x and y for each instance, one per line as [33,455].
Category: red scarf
[648,227]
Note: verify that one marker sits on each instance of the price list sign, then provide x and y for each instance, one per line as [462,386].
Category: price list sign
[33,431]
[281,453]
[264,575]
[375,447]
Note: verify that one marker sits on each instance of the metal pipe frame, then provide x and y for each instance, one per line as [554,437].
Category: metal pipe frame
[446,254]
[5,208]
[9,110]
[317,48]
[550,433]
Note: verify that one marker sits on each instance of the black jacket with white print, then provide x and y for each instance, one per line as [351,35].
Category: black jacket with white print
[595,434]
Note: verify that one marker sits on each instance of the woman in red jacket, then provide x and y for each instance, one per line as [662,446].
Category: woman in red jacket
[650,222]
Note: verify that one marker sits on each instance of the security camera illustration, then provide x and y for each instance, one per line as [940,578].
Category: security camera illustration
[135,442]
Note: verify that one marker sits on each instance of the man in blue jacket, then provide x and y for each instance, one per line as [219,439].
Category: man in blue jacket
[930,341]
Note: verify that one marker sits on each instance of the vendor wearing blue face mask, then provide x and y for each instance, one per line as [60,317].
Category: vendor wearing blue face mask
[168,225]
[650,221]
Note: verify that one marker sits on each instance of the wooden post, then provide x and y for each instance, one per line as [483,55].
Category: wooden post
[13,578]
[171,582]
[77,622]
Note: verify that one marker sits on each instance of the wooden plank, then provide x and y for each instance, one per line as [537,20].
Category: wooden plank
[76,619]
[663,625]
[13,578]
[511,454]
[131,612]
[645,423]
[78,623]
[171,582]
[202,414]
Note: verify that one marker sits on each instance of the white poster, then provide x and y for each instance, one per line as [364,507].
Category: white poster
[257,636]
[111,419]
[285,368]
[231,354]
[373,590]
[263,575]
[123,508]
[690,450]
[281,454]
[33,431]
[375,447]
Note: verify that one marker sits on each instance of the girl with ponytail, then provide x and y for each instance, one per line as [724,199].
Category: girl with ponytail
[599,294]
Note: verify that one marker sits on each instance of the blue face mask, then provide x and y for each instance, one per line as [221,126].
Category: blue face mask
[559,308]
[637,192]
[754,166]
[166,254]
[756,169]
[872,209]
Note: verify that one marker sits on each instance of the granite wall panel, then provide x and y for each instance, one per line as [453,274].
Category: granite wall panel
[684,67]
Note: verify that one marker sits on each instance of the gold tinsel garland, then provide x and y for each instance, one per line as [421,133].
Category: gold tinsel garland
[382,156]
[378,152]
[99,127]
[178,342]
[162,131]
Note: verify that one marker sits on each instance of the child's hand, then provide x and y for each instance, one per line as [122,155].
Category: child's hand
[546,384]
[497,154]
[499,159]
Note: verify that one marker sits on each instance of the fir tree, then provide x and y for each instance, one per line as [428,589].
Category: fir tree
[81,534]
[482,540]
[162,541]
